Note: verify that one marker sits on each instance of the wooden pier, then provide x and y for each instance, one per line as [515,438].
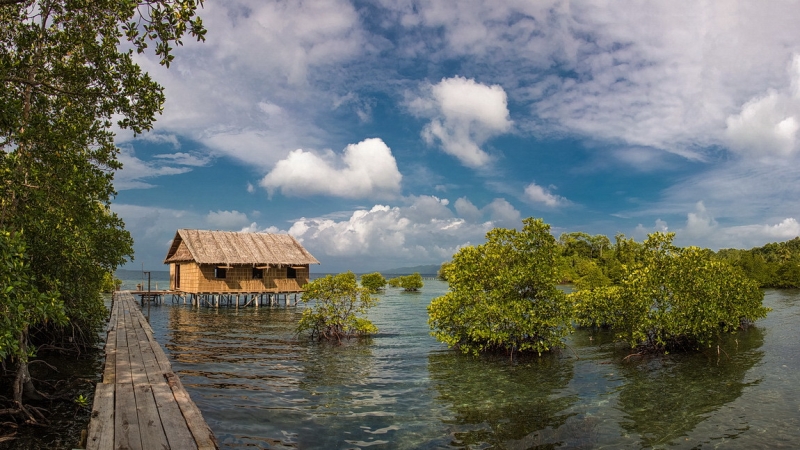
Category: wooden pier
[273,297]
[141,403]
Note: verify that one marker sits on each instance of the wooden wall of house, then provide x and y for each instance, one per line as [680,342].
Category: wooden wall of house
[200,278]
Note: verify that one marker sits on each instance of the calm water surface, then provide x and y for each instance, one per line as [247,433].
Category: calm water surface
[260,386]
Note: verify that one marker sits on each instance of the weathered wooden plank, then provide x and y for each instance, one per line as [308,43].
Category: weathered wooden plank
[150,425]
[138,373]
[175,427]
[109,371]
[197,425]
[122,359]
[151,366]
[126,419]
[101,427]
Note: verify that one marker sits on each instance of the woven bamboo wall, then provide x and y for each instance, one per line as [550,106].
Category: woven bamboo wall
[200,278]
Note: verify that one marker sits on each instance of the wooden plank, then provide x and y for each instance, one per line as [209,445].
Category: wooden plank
[178,434]
[122,359]
[101,427]
[150,425]
[126,419]
[138,373]
[197,425]
[151,365]
[109,371]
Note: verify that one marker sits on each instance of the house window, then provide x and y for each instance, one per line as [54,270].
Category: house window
[291,272]
[220,272]
[258,274]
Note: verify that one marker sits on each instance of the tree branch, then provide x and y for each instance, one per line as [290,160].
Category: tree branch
[38,83]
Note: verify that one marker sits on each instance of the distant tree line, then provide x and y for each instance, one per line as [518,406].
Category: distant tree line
[590,261]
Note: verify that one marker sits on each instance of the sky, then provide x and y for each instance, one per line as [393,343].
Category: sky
[391,133]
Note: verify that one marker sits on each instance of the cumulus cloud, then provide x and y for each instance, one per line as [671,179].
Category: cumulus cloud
[383,233]
[538,194]
[366,169]
[464,115]
[503,213]
[768,125]
[424,231]
[467,210]
[226,220]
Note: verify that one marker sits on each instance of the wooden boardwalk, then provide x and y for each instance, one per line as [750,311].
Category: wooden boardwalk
[141,403]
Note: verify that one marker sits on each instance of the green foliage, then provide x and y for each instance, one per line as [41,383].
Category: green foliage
[503,294]
[82,401]
[110,284]
[441,274]
[775,265]
[339,304]
[409,283]
[375,282]
[672,297]
[22,305]
[66,77]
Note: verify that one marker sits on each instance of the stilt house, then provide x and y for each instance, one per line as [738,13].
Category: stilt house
[223,262]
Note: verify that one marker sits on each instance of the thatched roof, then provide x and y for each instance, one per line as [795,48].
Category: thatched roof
[227,247]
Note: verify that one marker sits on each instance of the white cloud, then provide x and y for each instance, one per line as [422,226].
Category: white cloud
[538,194]
[703,230]
[185,159]
[249,91]
[464,115]
[366,169]
[768,125]
[503,213]
[135,171]
[390,234]
[425,231]
[467,210]
[226,220]
[152,228]
[700,223]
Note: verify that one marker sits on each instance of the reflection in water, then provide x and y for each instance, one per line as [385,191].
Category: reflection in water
[664,398]
[497,403]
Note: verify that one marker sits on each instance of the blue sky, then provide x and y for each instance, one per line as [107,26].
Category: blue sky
[391,133]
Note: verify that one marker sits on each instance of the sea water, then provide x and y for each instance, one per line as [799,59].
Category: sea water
[260,385]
